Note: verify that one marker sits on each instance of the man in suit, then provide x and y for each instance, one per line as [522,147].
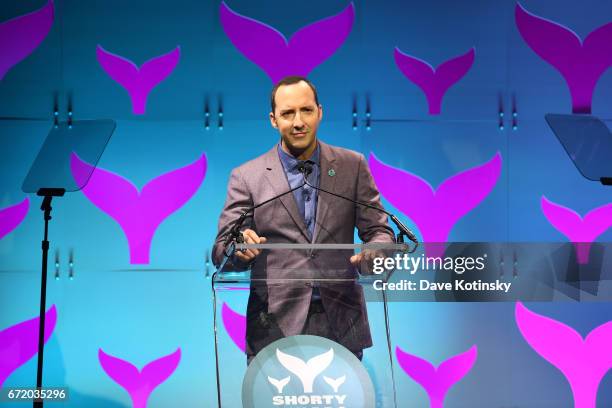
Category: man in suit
[279,306]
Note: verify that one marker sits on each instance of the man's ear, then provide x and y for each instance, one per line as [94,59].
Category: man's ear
[273,120]
[320,112]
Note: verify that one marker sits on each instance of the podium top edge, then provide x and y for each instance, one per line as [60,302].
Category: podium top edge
[373,245]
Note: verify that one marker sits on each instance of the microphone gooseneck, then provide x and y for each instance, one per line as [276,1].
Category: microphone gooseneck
[306,168]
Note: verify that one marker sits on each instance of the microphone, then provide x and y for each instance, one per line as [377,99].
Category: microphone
[306,168]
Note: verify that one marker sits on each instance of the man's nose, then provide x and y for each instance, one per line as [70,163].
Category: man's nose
[297,121]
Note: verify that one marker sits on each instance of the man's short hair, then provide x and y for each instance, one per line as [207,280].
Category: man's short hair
[290,80]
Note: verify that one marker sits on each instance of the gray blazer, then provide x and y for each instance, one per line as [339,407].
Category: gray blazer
[278,308]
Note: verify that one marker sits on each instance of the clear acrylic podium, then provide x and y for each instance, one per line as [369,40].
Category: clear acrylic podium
[294,269]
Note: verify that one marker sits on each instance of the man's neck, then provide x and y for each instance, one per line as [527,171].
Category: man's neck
[301,155]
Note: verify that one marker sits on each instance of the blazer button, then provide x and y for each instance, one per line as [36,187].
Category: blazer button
[313,255]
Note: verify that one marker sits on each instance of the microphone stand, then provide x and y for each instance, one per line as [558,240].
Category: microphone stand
[235,236]
[48,194]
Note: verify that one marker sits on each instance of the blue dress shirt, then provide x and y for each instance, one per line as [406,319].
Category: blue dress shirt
[306,197]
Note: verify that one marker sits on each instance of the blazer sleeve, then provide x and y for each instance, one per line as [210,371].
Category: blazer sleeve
[238,199]
[372,225]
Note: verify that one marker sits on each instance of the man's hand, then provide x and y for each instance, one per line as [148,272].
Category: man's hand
[364,261]
[250,237]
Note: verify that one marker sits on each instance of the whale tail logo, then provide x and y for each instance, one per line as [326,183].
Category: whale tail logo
[139,384]
[437,382]
[306,371]
[19,343]
[21,35]
[434,82]
[435,211]
[335,383]
[138,82]
[279,384]
[139,213]
[581,63]
[235,325]
[581,231]
[11,217]
[583,362]
[277,57]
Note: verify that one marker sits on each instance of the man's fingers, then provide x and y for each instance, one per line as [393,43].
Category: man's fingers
[370,255]
[251,253]
[257,240]
[251,236]
[246,256]
[243,256]
[365,260]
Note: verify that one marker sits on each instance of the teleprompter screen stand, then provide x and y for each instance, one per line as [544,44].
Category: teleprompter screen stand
[587,141]
[50,176]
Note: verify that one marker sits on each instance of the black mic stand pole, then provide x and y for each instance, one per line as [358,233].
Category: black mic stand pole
[48,194]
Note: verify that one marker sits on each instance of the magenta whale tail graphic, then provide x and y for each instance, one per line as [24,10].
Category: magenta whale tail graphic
[139,213]
[584,362]
[437,382]
[582,231]
[277,57]
[435,212]
[235,326]
[581,63]
[434,82]
[139,384]
[138,82]
[19,343]
[11,217]
[21,35]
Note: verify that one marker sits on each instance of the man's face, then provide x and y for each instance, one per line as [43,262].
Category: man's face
[297,118]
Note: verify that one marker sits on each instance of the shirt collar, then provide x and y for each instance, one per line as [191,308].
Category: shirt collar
[290,163]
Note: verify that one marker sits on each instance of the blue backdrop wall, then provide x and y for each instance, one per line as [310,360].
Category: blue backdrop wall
[215,101]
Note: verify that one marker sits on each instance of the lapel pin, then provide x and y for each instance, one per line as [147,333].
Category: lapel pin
[331,172]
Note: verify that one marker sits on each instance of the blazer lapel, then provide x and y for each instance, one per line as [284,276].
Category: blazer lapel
[275,174]
[327,182]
